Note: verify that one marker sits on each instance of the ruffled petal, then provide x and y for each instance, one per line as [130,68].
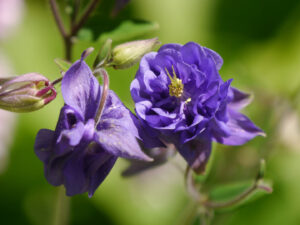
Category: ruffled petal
[148,135]
[141,108]
[215,56]
[239,99]
[72,136]
[219,129]
[159,155]
[192,53]
[241,129]
[117,133]
[54,168]
[69,128]
[170,46]
[75,180]
[196,152]
[99,166]
[43,144]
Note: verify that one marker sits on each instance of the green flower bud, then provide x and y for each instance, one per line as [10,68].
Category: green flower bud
[127,54]
[25,93]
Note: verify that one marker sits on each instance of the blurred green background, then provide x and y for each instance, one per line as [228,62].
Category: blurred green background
[259,41]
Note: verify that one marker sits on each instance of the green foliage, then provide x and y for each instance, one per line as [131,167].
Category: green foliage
[259,42]
[104,24]
[104,54]
[129,30]
[126,31]
[102,20]
[39,207]
[230,191]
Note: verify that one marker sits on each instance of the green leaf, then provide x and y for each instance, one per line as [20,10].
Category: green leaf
[129,30]
[227,192]
[85,35]
[62,64]
[102,20]
[117,25]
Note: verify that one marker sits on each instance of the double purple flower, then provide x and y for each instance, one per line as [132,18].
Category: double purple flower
[81,151]
[181,99]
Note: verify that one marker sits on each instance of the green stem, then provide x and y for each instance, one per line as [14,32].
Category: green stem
[203,201]
[237,199]
[191,186]
[75,27]
[104,93]
[62,208]
[90,8]
[258,184]
[57,18]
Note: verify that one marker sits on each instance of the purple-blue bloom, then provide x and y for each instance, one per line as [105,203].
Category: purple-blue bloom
[81,151]
[181,99]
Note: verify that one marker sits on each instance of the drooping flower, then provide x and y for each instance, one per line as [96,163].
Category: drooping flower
[82,150]
[181,98]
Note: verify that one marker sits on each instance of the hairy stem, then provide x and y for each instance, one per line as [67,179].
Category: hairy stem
[237,199]
[75,27]
[191,186]
[202,200]
[56,81]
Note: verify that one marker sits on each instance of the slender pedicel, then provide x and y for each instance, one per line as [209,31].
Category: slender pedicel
[104,95]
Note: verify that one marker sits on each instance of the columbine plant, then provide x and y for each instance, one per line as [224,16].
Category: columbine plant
[181,104]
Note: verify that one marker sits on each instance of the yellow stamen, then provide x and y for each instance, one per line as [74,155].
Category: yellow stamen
[176,86]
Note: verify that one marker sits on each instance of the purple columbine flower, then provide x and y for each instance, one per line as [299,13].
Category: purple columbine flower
[85,144]
[180,97]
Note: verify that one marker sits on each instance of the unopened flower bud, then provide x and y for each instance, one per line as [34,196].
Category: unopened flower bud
[25,93]
[127,54]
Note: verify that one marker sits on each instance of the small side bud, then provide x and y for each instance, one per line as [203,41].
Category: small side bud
[104,55]
[262,169]
[127,54]
[25,93]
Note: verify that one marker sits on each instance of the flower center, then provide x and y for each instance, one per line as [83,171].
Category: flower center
[176,85]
